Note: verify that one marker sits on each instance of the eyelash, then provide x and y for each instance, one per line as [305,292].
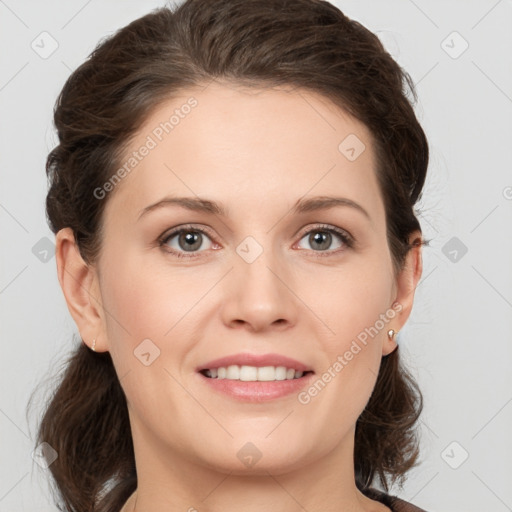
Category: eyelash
[345,237]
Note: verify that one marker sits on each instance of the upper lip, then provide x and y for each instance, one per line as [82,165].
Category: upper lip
[255,360]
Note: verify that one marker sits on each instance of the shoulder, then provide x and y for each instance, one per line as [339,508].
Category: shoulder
[393,502]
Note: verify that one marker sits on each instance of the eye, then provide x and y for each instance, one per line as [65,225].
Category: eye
[321,239]
[186,239]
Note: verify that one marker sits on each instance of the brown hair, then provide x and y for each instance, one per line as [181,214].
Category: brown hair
[309,44]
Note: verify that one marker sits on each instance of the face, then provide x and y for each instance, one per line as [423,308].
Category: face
[252,264]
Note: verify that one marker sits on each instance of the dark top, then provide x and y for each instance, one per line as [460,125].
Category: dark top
[394,503]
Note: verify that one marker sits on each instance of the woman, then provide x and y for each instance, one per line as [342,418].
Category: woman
[228,361]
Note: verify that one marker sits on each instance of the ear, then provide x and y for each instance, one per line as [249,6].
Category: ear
[406,282]
[79,283]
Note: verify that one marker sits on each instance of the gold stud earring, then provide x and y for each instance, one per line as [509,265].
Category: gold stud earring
[392,333]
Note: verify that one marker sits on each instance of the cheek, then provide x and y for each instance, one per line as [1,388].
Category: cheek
[356,308]
[147,310]
[354,299]
[142,300]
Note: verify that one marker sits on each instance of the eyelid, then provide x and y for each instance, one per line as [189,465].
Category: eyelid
[185,227]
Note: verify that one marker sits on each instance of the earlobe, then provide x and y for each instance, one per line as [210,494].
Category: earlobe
[78,282]
[406,283]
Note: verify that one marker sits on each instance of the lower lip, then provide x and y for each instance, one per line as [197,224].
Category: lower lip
[257,391]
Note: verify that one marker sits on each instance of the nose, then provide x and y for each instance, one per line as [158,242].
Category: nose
[259,295]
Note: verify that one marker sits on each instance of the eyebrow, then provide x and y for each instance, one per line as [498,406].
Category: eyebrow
[197,204]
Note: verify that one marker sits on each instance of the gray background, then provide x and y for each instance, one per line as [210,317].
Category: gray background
[457,341]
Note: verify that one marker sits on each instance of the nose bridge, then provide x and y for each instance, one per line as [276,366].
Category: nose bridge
[255,261]
[259,296]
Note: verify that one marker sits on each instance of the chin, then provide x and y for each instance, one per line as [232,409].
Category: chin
[266,465]
[255,455]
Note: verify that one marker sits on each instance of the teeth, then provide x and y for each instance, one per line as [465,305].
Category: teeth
[254,373]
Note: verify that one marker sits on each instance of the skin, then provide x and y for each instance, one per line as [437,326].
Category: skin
[257,152]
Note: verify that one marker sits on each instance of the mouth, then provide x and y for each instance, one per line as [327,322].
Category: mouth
[246,373]
[249,377]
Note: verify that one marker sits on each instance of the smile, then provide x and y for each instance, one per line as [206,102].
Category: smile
[247,373]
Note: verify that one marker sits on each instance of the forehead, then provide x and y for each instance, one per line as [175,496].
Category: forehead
[256,146]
